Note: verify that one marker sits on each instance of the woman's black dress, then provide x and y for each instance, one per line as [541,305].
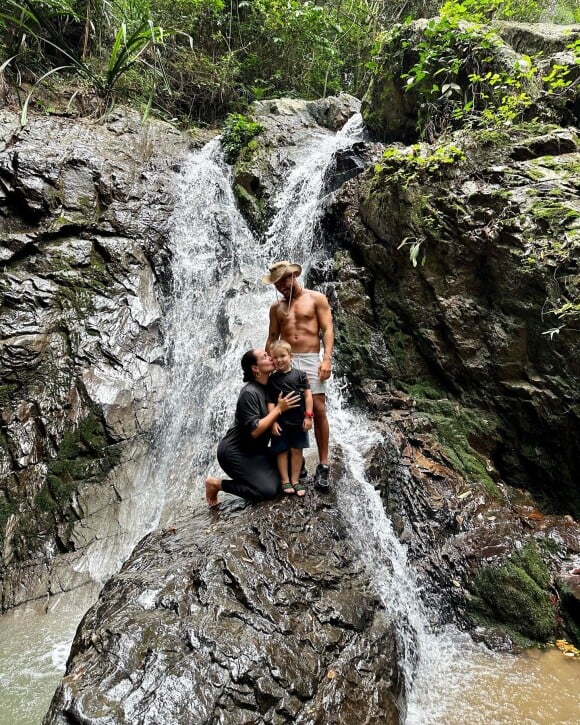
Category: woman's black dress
[248,461]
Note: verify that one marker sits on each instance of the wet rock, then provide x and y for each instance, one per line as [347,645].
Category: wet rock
[454,353]
[245,614]
[478,319]
[287,124]
[479,548]
[84,209]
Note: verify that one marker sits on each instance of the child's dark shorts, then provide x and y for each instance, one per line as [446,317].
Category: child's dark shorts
[292,437]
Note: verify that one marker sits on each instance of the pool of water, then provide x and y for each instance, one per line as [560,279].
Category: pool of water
[34,647]
[539,687]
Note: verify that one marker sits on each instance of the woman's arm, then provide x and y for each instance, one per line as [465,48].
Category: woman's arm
[291,400]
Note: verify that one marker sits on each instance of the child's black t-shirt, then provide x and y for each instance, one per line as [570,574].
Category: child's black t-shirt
[293,381]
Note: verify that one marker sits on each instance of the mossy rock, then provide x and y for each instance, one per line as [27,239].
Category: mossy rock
[85,454]
[516,594]
[570,606]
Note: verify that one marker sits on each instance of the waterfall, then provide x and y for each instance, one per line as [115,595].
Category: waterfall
[436,666]
[219,305]
[219,309]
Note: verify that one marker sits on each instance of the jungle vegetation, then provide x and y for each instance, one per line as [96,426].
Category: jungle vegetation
[196,61]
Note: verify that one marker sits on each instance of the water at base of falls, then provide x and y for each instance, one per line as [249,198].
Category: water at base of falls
[34,647]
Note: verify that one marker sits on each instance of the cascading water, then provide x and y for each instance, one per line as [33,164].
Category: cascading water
[449,678]
[220,307]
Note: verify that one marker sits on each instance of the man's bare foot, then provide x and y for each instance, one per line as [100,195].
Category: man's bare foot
[212,486]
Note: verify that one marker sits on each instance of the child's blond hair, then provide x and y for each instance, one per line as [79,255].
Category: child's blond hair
[281,345]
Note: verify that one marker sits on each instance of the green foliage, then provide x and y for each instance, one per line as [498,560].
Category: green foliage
[483,11]
[561,12]
[406,163]
[238,131]
[212,58]
[460,82]
[202,59]
[412,167]
[56,28]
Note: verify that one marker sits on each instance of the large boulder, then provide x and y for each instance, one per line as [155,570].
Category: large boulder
[265,162]
[456,292]
[256,614]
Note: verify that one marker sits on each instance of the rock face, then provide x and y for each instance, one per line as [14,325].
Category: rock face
[267,160]
[254,615]
[486,310]
[457,315]
[394,103]
[83,231]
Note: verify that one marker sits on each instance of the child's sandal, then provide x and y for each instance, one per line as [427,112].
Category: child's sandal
[300,489]
[288,488]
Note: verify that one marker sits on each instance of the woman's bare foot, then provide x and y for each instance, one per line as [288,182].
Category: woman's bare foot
[212,486]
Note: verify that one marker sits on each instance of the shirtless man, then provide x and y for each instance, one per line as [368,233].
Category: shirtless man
[300,318]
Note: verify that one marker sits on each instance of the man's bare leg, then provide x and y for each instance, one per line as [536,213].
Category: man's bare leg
[321,428]
[212,486]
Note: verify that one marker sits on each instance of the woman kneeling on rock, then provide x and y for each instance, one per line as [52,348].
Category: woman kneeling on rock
[243,452]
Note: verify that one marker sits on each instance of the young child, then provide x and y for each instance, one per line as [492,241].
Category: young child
[290,432]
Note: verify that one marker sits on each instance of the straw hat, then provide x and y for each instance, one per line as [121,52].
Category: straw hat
[279,270]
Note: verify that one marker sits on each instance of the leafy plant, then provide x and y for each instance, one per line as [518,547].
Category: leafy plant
[44,22]
[458,79]
[238,131]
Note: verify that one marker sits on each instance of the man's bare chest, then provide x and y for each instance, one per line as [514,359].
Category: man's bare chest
[297,313]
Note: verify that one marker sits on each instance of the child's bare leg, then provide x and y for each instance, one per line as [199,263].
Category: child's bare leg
[282,461]
[295,467]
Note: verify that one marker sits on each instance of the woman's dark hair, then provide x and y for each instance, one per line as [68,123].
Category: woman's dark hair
[248,360]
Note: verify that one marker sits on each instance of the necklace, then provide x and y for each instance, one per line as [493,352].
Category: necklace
[287,313]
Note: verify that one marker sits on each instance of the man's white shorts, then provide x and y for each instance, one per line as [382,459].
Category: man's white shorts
[309,362]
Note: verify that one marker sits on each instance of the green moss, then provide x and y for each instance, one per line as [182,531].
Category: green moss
[479,620]
[84,454]
[407,163]
[454,435]
[355,341]
[556,213]
[516,594]
[459,430]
